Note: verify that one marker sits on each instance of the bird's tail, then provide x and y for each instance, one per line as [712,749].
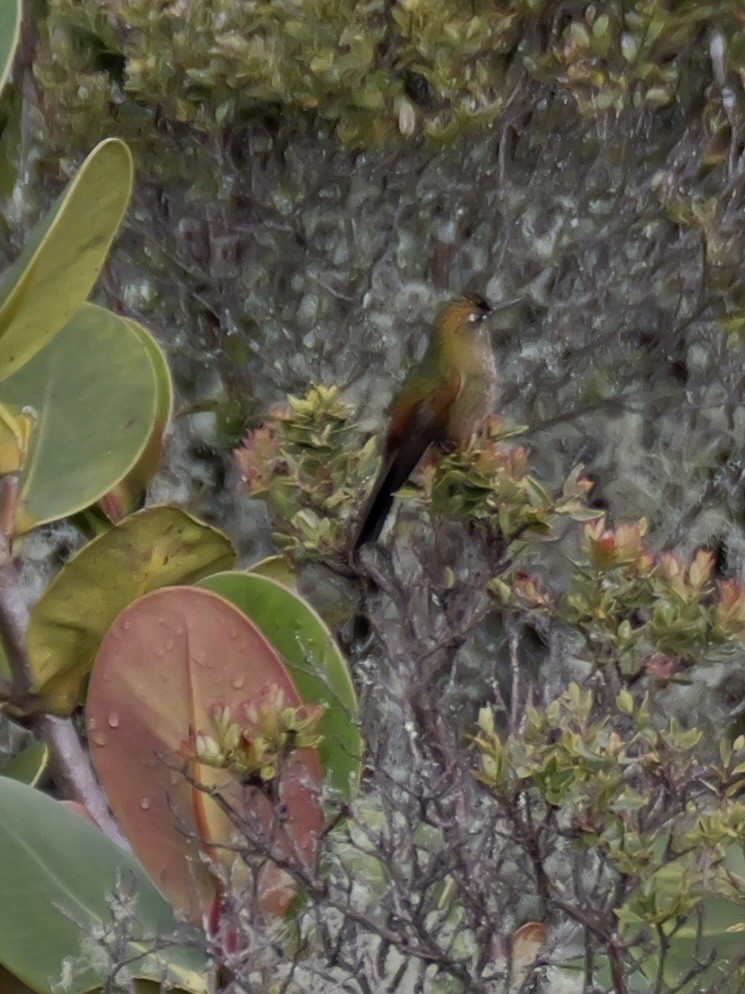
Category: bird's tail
[378,504]
[399,464]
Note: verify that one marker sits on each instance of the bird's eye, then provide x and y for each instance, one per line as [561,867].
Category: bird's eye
[475,316]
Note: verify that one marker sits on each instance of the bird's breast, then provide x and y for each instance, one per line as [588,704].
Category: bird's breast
[476,398]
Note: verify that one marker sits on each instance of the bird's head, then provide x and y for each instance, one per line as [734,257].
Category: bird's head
[463,313]
[466,313]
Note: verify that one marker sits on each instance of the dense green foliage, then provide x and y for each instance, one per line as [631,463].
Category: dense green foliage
[371,68]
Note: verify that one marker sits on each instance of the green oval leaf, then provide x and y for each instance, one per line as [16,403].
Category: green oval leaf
[57,870]
[63,256]
[277,568]
[29,765]
[126,495]
[10,30]
[167,666]
[315,663]
[93,394]
[157,547]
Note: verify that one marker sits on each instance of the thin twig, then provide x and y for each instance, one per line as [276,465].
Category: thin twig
[71,763]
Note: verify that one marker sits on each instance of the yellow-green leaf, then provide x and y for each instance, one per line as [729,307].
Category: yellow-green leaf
[63,256]
[157,547]
[29,766]
[10,29]
[15,434]
[277,568]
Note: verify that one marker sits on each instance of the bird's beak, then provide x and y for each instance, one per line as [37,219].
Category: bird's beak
[504,304]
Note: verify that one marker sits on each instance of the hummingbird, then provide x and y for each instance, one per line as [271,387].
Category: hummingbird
[442,401]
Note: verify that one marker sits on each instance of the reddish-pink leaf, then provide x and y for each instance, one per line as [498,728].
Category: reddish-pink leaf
[165,664]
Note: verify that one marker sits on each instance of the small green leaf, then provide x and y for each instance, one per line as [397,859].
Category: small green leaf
[29,765]
[625,702]
[277,568]
[628,917]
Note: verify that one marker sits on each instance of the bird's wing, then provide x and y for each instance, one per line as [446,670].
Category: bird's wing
[422,409]
[403,452]
[418,419]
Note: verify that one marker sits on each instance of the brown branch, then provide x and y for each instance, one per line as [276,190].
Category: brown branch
[70,762]
[74,773]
